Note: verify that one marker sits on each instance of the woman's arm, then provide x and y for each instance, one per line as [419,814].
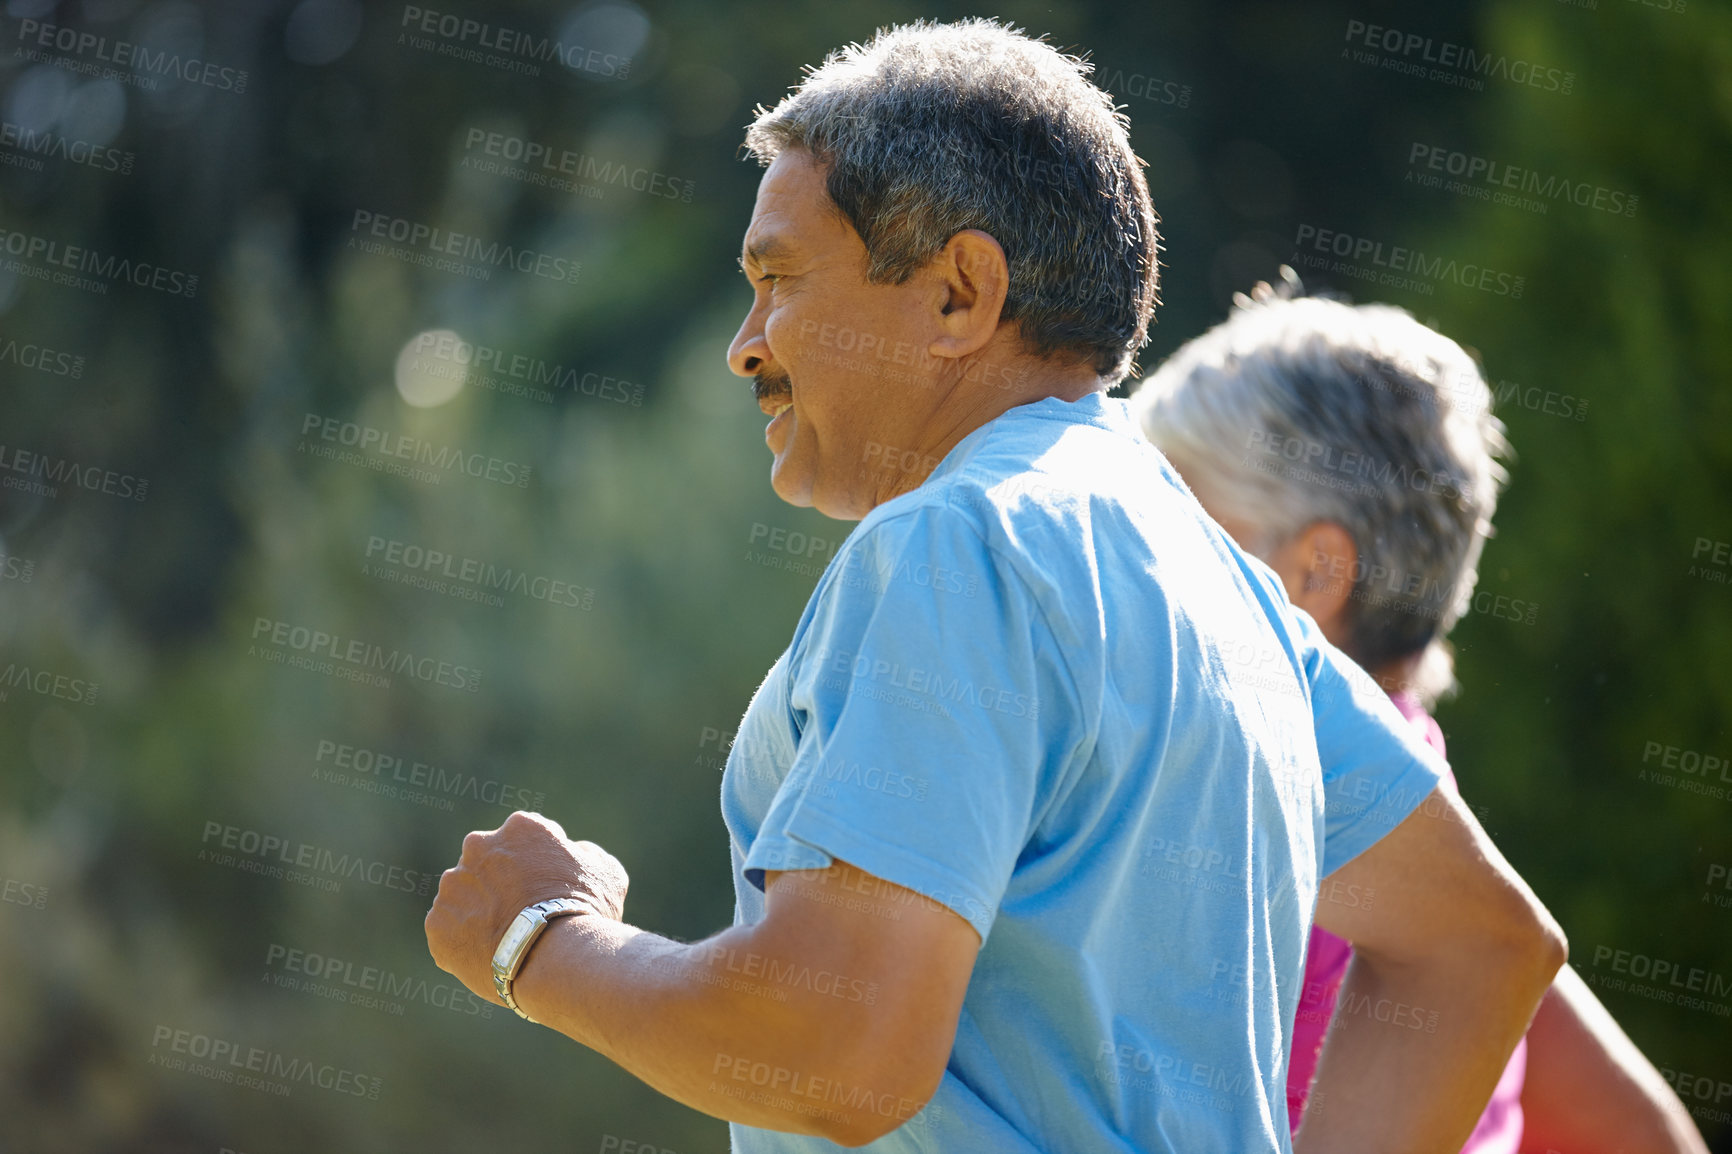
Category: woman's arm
[1447,972]
[1589,1090]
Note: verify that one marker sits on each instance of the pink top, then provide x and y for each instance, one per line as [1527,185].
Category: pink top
[1500,1127]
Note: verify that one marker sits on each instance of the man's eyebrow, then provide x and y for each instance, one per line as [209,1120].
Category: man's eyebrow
[766,249]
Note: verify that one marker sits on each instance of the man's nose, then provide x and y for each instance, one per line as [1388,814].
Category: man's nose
[748,352]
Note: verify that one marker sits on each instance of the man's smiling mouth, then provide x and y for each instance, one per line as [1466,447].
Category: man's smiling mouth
[774,392]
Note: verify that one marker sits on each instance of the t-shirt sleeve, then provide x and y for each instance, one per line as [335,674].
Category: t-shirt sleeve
[923,687]
[1376,767]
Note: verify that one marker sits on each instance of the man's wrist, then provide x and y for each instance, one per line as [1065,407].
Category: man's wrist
[519,940]
[576,968]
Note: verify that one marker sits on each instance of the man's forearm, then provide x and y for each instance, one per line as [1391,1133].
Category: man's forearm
[1456,939]
[828,1016]
[1417,1049]
[728,1026]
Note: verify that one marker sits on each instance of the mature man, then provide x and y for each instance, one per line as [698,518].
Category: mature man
[1029,818]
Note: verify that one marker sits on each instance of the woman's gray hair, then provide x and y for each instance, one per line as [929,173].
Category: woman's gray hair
[1295,411]
[930,129]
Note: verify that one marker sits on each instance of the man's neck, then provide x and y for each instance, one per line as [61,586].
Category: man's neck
[970,404]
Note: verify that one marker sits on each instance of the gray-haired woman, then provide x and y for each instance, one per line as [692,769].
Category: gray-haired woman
[1354,451]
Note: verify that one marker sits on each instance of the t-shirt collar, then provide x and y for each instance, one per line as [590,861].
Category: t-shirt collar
[1096,409]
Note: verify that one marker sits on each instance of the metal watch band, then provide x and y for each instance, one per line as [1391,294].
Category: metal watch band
[526,928]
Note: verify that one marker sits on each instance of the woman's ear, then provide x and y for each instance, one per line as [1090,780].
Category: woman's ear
[1318,567]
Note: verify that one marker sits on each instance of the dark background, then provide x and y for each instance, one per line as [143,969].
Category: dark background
[121,924]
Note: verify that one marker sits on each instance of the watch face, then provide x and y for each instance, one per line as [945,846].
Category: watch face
[510,952]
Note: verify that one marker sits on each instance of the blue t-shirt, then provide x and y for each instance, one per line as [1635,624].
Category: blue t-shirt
[1045,690]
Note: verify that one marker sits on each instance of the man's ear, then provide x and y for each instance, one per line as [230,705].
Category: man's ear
[974,277]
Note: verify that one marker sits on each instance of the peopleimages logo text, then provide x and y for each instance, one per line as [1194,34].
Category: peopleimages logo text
[27,355]
[1364,257]
[440,242]
[71,260]
[368,987]
[125,54]
[377,765]
[550,161]
[483,575]
[34,144]
[255,1067]
[492,368]
[468,35]
[1501,180]
[401,446]
[362,655]
[1456,63]
[274,852]
[43,475]
[47,683]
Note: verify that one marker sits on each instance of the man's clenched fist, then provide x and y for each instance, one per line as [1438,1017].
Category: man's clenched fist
[526,860]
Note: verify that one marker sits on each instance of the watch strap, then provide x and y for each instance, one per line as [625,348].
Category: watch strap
[514,945]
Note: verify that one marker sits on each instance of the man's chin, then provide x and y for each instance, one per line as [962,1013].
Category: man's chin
[799,487]
[792,484]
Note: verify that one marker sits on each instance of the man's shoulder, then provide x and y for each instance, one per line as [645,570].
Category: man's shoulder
[987,524]
[1022,473]
[982,511]
[1054,504]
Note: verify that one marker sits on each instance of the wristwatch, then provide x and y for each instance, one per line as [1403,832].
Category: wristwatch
[524,929]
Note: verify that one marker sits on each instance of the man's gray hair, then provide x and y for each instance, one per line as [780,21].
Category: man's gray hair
[1295,411]
[930,129]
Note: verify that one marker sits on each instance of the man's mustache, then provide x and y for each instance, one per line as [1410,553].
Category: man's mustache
[777,384]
